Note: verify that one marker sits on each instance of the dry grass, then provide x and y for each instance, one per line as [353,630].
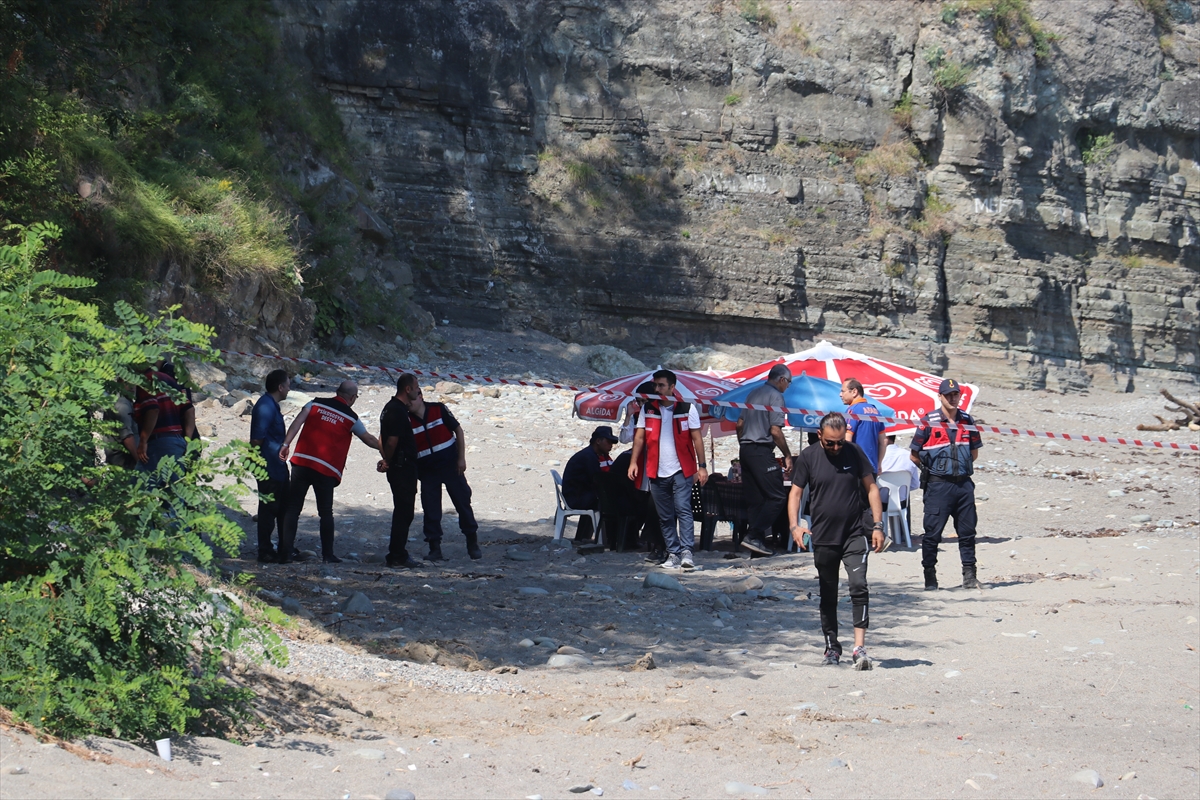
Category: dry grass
[887,161]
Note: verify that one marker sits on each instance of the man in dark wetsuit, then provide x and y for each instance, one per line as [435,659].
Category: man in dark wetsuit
[838,475]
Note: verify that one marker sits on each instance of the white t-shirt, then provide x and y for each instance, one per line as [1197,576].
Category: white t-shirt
[668,459]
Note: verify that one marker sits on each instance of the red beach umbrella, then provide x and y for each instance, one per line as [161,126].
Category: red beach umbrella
[607,403]
[910,392]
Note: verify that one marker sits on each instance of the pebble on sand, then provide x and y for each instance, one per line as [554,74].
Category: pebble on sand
[399,794]
[1089,777]
[531,590]
[624,717]
[358,603]
[743,789]
[579,788]
[568,661]
[567,650]
[953,673]
[656,580]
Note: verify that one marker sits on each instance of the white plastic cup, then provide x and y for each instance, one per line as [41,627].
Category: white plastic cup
[164,749]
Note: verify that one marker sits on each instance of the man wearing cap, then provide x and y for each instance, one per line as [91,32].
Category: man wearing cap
[669,433]
[581,476]
[325,426]
[759,433]
[947,452]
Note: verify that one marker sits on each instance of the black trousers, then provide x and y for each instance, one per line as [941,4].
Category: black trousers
[271,515]
[322,486]
[853,555]
[403,481]
[942,501]
[762,485]
[432,481]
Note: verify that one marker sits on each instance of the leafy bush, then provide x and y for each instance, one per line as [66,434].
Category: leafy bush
[902,112]
[756,12]
[1095,148]
[948,76]
[732,99]
[1015,26]
[106,623]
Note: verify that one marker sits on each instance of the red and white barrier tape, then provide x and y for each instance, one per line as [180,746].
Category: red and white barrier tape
[1071,437]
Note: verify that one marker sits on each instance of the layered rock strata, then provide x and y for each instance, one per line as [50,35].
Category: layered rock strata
[655,175]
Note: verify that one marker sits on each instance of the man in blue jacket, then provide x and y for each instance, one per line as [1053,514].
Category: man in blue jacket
[267,432]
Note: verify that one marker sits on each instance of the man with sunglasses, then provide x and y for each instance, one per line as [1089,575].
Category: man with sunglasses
[943,447]
[838,475]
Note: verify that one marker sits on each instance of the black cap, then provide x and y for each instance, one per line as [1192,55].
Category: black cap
[949,386]
[604,432]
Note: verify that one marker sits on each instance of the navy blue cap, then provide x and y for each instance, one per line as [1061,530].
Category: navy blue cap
[604,432]
[948,386]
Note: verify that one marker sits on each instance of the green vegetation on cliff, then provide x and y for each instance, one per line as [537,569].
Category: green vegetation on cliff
[152,130]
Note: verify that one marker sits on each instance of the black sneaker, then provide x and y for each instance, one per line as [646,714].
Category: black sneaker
[832,658]
[474,552]
[331,559]
[408,562]
[756,545]
[435,553]
[268,556]
[655,557]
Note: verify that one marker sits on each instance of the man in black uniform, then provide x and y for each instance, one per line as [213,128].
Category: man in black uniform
[838,475]
[581,477]
[400,463]
[947,453]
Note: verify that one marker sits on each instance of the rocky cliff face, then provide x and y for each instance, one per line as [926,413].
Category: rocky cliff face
[655,175]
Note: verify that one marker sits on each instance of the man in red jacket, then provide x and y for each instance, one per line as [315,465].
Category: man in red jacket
[669,433]
[325,426]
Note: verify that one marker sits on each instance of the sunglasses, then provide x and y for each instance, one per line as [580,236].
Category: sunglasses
[833,444]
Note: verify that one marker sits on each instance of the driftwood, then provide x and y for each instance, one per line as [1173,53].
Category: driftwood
[1190,420]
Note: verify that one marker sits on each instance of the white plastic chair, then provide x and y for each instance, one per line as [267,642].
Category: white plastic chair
[897,484]
[562,511]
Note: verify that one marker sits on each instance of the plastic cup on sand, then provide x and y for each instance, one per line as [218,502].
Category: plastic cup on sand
[164,749]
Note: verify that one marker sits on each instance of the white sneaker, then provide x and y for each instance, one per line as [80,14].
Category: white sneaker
[686,561]
[672,563]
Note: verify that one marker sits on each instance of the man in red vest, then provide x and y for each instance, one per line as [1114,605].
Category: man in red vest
[670,435]
[325,426]
[441,461]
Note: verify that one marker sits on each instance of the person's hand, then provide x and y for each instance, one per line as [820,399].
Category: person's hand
[633,472]
[877,540]
[787,464]
[382,466]
[798,532]
[462,466]
[142,455]
[283,452]
[702,476]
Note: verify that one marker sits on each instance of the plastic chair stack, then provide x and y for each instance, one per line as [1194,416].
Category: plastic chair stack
[897,484]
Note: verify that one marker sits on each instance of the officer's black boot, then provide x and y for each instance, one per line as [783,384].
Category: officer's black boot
[969,579]
[435,552]
[473,547]
[931,579]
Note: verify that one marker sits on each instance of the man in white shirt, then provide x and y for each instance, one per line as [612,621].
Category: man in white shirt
[669,434]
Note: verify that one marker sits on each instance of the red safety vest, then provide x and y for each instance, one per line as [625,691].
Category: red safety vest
[605,463]
[431,433]
[325,437]
[683,438]
[941,456]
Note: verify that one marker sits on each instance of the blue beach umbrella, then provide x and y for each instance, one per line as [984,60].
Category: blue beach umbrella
[815,394]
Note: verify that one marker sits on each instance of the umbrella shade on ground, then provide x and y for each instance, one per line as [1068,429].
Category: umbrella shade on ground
[607,403]
[909,392]
[805,391]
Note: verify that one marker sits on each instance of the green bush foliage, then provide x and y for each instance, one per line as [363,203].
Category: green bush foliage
[1015,26]
[1095,148]
[106,621]
[156,129]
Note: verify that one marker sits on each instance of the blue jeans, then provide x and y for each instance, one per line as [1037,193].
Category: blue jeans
[673,499]
[162,446]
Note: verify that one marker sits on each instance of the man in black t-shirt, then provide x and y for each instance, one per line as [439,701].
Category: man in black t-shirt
[838,475]
[400,463]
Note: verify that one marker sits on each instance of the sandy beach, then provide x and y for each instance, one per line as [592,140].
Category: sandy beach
[1076,665]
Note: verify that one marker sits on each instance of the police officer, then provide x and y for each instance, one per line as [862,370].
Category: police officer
[441,461]
[400,463]
[325,426]
[946,451]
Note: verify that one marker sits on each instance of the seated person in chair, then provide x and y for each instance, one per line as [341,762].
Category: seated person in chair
[582,474]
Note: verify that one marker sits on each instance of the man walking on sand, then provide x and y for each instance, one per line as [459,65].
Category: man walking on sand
[400,464]
[441,461]
[669,433]
[947,451]
[837,473]
[759,433]
[325,426]
[267,432]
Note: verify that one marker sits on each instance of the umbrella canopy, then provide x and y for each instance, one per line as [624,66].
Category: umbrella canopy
[607,403]
[910,392]
[805,391]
